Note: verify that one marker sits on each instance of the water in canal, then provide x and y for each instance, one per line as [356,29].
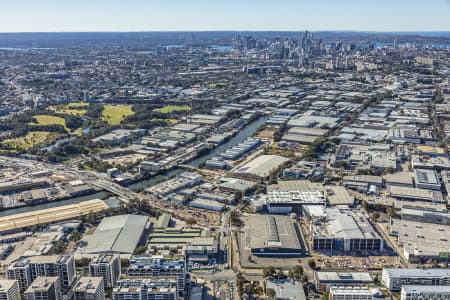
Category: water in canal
[24,209]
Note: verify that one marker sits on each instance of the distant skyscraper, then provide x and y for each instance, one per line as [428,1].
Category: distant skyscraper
[86,95]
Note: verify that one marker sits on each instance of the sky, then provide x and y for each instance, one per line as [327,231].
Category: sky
[211,15]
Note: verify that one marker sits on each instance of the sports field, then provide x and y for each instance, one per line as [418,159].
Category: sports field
[114,114]
[74,109]
[49,120]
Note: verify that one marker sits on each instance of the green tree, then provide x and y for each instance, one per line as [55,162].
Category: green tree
[280,274]
[59,247]
[389,212]
[297,271]
[83,262]
[191,221]
[376,280]
[75,236]
[271,294]
[312,263]
[290,274]
[238,196]
[364,205]
[375,216]
[234,217]
[268,271]
[140,250]
[239,281]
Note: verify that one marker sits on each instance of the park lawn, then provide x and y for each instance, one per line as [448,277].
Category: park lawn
[49,120]
[114,114]
[25,142]
[74,109]
[171,108]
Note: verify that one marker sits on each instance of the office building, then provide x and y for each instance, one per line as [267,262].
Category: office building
[159,266]
[394,279]
[202,250]
[422,292]
[426,215]
[427,179]
[325,280]
[9,289]
[146,289]
[106,266]
[44,288]
[355,293]
[88,288]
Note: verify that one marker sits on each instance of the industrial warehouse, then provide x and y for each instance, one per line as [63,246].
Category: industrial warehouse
[289,196]
[44,216]
[273,235]
[261,167]
[119,234]
[345,230]
[421,241]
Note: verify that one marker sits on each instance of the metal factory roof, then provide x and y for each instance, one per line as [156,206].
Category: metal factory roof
[272,231]
[118,234]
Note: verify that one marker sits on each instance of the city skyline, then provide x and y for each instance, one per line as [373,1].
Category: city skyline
[201,15]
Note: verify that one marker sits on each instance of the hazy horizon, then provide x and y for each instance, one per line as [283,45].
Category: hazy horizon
[200,15]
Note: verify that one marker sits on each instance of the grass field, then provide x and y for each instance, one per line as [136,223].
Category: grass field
[74,109]
[49,120]
[170,108]
[25,142]
[114,114]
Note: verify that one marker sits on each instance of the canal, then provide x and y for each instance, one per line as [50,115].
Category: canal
[24,209]
[246,132]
